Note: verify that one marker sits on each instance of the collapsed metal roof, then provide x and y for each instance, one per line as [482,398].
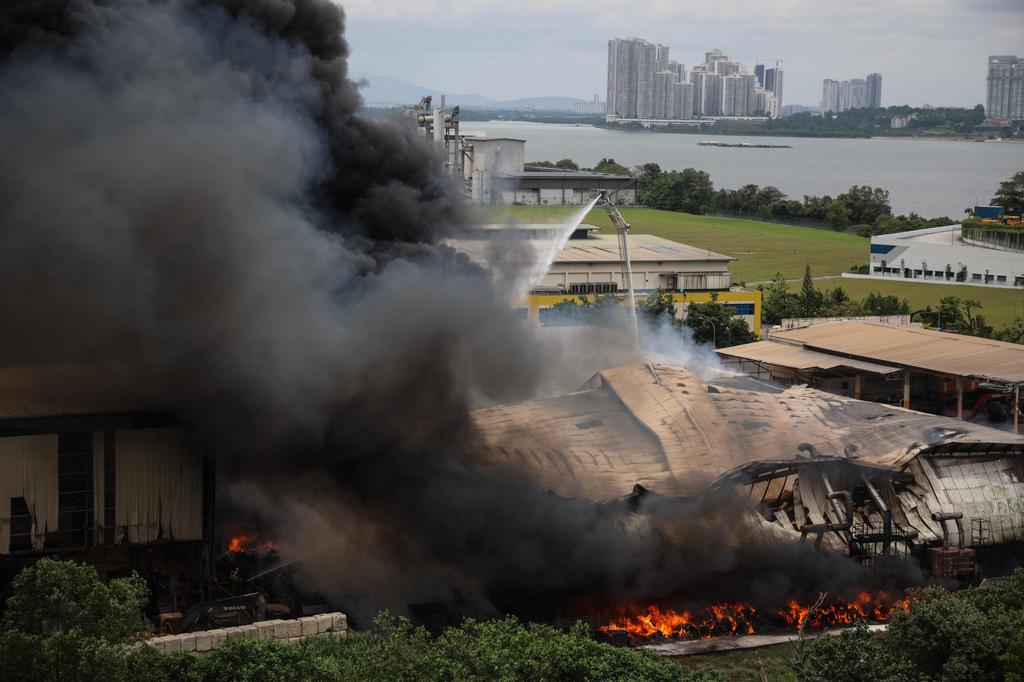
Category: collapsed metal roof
[662,427]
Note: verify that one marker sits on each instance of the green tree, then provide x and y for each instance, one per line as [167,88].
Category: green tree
[810,298]
[1014,333]
[58,596]
[658,306]
[63,623]
[713,322]
[777,302]
[689,191]
[885,304]
[955,636]
[566,164]
[1011,194]
[859,205]
[960,315]
[610,166]
[854,656]
[837,303]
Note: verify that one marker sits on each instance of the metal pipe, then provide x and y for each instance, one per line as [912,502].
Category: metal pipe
[942,517]
[886,513]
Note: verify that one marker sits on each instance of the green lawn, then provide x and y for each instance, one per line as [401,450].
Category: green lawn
[997,304]
[763,249]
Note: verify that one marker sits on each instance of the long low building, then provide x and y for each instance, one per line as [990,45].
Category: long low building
[923,369]
[949,254]
[589,265]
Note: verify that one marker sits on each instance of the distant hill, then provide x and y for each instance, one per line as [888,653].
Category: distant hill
[387,90]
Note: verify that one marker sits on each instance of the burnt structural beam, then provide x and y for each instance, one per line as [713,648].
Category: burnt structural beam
[886,513]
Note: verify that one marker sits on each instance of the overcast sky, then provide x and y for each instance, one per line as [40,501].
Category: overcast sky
[930,51]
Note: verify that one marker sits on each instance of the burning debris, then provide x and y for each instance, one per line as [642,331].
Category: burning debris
[250,543]
[732,619]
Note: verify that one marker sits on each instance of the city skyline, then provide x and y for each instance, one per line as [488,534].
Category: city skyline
[645,83]
[929,52]
[855,93]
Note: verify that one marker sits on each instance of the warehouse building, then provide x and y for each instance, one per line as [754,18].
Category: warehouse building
[591,266]
[496,173]
[90,472]
[860,478]
[947,374]
[949,254]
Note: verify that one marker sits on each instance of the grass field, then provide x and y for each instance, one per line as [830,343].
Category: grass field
[763,249]
[999,306]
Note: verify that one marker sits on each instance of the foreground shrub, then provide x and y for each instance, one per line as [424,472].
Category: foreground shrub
[63,623]
[853,656]
[959,636]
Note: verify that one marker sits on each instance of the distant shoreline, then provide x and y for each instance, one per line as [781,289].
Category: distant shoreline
[773,133]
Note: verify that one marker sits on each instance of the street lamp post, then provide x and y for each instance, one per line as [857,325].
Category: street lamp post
[714,328]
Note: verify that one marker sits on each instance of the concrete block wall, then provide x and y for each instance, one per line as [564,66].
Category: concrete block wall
[288,631]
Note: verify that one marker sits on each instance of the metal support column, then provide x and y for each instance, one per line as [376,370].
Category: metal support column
[959,398]
[1016,409]
[906,388]
[856,386]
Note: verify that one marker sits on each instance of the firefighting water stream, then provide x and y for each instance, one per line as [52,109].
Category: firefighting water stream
[188,193]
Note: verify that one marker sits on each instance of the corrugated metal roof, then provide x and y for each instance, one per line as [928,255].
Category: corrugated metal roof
[66,390]
[797,357]
[663,427]
[939,352]
[642,248]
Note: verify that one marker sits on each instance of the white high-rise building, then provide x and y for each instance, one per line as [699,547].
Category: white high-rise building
[683,105]
[856,93]
[1005,97]
[643,83]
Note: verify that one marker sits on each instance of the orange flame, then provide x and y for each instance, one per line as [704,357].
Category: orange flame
[739,618]
[250,542]
[717,620]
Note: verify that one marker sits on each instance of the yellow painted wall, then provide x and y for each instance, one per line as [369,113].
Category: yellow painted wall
[536,302]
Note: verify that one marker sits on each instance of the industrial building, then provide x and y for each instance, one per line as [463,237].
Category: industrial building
[951,254]
[856,477]
[958,376]
[496,173]
[88,471]
[590,266]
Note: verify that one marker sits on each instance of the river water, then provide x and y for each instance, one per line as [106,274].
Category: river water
[930,177]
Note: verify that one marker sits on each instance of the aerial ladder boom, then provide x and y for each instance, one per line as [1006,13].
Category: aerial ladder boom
[622,228]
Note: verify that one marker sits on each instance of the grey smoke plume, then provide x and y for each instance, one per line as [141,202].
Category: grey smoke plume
[185,189]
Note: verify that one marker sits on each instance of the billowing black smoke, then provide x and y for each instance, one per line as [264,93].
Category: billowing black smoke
[186,190]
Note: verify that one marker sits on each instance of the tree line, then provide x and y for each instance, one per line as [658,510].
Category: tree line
[710,322]
[952,313]
[864,122]
[862,210]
